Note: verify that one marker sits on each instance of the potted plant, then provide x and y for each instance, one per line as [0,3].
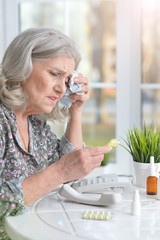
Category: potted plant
[142,143]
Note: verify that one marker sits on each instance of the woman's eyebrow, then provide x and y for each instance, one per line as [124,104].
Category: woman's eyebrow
[60,71]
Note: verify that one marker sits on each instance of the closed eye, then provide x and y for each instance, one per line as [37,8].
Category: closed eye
[54,74]
[57,75]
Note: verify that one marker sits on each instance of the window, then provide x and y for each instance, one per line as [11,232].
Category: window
[93,29]
[107,33]
[151,62]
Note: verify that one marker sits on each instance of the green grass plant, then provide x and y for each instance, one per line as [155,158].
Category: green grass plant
[142,143]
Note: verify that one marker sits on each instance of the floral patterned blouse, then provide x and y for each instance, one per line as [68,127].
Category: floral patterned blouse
[17,164]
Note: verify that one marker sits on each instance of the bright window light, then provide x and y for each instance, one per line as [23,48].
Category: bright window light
[149,5]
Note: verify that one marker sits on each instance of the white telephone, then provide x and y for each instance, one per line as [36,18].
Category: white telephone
[102,185]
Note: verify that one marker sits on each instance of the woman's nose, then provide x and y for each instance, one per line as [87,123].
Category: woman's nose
[61,87]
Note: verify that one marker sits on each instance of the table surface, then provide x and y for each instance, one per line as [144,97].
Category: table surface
[53,217]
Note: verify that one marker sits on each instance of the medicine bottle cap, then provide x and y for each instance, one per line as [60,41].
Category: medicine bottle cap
[136,204]
[152,167]
[136,197]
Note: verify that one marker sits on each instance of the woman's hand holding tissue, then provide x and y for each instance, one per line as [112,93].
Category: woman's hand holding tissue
[80,96]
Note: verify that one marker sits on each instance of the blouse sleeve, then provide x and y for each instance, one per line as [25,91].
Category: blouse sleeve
[11,194]
[56,147]
[65,145]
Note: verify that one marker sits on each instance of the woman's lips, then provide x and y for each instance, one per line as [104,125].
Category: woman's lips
[52,99]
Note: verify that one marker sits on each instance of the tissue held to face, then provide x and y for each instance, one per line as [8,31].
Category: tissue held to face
[71,89]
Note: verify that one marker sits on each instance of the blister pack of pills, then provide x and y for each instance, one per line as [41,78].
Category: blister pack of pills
[97,215]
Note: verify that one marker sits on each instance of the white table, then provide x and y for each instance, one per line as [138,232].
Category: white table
[53,217]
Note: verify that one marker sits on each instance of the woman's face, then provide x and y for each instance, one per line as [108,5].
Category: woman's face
[48,83]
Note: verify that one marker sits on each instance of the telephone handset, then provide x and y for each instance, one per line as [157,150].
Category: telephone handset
[102,183]
[105,199]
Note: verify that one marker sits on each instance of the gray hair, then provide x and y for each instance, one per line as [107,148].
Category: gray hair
[35,44]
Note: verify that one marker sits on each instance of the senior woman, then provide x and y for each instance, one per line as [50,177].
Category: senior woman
[35,72]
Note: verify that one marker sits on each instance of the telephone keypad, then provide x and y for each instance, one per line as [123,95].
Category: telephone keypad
[102,183]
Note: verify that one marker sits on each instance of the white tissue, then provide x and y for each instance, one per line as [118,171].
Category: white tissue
[73,87]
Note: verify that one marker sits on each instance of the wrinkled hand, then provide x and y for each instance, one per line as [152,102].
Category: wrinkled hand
[79,163]
[80,99]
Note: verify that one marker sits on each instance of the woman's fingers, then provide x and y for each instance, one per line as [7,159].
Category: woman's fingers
[78,163]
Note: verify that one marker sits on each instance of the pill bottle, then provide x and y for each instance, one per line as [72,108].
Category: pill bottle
[152,179]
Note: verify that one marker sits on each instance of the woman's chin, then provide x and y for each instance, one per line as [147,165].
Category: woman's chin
[48,110]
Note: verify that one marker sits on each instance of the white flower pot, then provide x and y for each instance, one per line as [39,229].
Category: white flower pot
[142,172]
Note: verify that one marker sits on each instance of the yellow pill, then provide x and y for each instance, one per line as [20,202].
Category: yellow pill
[90,215]
[96,215]
[102,216]
[85,214]
[108,215]
[113,143]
